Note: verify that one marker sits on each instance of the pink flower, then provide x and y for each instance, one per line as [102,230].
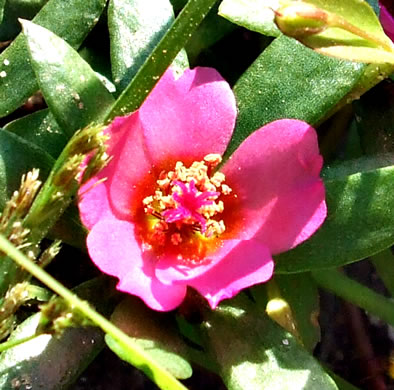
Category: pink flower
[386,18]
[161,217]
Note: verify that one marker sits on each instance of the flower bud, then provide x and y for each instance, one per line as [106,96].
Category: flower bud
[299,19]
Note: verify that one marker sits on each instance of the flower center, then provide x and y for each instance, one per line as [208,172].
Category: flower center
[186,205]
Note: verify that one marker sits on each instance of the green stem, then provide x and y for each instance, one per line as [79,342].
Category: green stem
[13,343]
[161,57]
[384,265]
[139,357]
[354,292]
[338,21]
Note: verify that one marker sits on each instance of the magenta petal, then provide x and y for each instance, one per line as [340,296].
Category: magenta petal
[275,173]
[387,21]
[188,118]
[249,263]
[93,201]
[170,270]
[130,164]
[113,248]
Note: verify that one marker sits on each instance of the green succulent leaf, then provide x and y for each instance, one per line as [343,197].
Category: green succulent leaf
[36,363]
[255,15]
[253,352]
[11,169]
[14,9]
[161,57]
[136,26]
[290,81]
[71,20]
[75,95]
[153,332]
[297,313]
[360,219]
[41,129]
[2,3]
[47,361]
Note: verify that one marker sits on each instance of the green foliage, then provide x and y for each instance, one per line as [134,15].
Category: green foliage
[12,169]
[135,28]
[250,343]
[252,352]
[41,129]
[153,332]
[73,92]
[252,14]
[290,81]
[71,20]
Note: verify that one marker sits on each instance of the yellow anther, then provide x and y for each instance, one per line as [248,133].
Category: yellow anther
[217,179]
[148,200]
[213,159]
[226,190]
[204,180]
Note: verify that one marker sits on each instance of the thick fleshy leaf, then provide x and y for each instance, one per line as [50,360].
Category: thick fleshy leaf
[29,156]
[360,220]
[254,15]
[2,3]
[9,25]
[293,302]
[36,364]
[41,129]
[71,20]
[252,352]
[290,81]
[72,90]
[161,57]
[135,27]
[154,332]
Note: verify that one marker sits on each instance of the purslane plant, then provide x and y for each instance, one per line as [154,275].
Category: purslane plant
[214,206]
[163,217]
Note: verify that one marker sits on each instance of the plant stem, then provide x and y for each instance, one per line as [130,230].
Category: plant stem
[161,57]
[13,343]
[354,292]
[139,357]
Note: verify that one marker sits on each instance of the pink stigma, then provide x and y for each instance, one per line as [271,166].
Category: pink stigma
[188,204]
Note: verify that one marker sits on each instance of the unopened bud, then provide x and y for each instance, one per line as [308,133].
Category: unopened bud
[299,19]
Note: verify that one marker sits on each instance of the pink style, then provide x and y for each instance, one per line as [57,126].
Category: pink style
[166,214]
